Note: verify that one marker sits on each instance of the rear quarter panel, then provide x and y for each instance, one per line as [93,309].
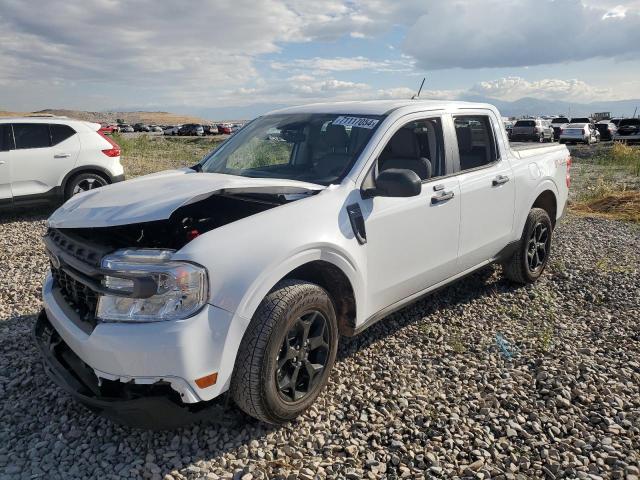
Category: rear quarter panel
[536,170]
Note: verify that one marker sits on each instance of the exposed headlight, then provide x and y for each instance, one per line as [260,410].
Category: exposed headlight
[180,287]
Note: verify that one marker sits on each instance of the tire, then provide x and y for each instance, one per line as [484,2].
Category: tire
[84,182]
[518,268]
[267,358]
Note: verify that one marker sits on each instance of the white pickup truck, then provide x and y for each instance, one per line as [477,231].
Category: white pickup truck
[241,273]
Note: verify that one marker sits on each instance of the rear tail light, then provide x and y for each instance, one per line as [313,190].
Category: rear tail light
[114,151]
[568,177]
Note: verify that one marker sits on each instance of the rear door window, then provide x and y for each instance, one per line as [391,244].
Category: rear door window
[6,138]
[476,141]
[31,135]
[59,133]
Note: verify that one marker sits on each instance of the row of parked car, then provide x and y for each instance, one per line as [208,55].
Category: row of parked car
[190,129]
[574,130]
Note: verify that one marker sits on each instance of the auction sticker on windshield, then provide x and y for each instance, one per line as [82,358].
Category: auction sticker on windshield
[358,122]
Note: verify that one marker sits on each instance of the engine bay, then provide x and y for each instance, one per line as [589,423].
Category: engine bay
[185,224]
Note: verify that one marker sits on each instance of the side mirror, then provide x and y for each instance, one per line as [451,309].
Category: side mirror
[397,182]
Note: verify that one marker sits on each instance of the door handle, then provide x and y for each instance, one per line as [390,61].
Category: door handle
[2,162]
[500,180]
[62,155]
[443,197]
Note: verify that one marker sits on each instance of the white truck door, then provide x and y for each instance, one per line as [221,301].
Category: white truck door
[486,187]
[6,143]
[36,165]
[412,242]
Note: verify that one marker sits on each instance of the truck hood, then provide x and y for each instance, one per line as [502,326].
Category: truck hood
[156,196]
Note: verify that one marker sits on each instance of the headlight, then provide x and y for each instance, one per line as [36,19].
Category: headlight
[181,287]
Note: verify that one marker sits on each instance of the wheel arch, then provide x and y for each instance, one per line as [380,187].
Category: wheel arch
[338,286]
[328,268]
[547,201]
[84,169]
[540,197]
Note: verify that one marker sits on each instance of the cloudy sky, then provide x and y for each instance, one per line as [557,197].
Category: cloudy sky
[251,55]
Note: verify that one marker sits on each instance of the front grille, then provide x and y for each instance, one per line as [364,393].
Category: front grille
[80,249]
[82,299]
[69,248]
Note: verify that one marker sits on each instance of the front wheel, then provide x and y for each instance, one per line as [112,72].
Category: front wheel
[532,254]
[287,352]
[83,183]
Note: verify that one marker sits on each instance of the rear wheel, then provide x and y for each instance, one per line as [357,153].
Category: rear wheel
[287,352]
[532,254]
[83,183]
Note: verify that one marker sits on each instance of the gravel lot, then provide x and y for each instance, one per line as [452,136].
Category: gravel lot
[426,392]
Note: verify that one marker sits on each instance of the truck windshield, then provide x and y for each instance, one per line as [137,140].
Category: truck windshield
[310,147]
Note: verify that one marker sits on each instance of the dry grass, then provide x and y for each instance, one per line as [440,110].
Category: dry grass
[143,154]
[614,205]
[609,197]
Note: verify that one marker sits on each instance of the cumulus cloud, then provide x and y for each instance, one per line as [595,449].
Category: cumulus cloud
[109,53]
[514,88]
[495,33]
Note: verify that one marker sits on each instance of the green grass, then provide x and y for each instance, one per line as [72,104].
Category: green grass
[143,154]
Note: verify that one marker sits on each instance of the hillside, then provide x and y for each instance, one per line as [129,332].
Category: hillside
[158,118]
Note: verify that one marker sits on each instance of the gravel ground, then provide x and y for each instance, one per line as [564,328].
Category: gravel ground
[431,391]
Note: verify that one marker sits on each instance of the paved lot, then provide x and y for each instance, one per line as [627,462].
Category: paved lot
[426,392]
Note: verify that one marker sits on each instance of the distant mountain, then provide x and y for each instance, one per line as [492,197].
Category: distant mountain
[173,115]
[536,106]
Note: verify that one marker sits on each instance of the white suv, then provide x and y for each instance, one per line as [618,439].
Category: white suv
[51,159]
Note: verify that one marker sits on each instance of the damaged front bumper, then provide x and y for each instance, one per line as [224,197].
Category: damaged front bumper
[139,374]
[152,406]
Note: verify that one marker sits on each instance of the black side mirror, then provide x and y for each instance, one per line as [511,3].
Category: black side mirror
[397,182]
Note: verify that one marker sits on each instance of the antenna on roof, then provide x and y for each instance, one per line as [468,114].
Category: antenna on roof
[420,89]
[634,112]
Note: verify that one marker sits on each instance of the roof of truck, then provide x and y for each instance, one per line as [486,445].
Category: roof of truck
[377,107]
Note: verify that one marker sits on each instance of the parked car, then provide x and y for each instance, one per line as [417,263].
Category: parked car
[210,129]
[159,297]
[108,129]
[508,126]
[616,121]
[124,128]
[532,129]
[579,133]
[628,130]
[52,159]
[558,124]
[191,129]
[607,129]
[141,127]
[171,129]
[581,120]
[155,129]
[225,128]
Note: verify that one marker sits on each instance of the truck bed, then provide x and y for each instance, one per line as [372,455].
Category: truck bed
[530,149]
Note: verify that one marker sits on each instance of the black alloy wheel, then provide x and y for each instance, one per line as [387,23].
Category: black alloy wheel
[537,248]
[303,356]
